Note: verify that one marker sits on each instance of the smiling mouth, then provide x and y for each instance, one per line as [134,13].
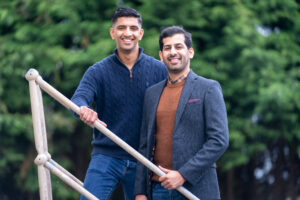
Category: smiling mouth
[127,40]
[174,60]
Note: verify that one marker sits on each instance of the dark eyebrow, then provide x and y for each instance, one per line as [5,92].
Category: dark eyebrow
[166,45]
[177,44]
[134,26]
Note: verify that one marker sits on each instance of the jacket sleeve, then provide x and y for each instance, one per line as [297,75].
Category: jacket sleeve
[141,171]
[216,132]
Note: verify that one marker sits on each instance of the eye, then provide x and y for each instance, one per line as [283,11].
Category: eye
[166,48]
[134,28]
[179,46]
[121,27]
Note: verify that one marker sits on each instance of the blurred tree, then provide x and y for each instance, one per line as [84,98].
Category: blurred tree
[61,39]
[251,47]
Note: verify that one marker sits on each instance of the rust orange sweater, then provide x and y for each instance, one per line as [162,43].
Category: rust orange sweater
[165,119]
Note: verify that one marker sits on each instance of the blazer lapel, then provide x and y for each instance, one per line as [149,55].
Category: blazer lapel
[185,95]
[155,96]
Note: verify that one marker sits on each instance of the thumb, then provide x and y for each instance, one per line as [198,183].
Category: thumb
[164,169]
[103,123]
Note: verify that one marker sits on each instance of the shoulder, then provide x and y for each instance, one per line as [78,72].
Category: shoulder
[100,68]
[152,61]
[103,64]
[203,86]
[204,82]
[154,67]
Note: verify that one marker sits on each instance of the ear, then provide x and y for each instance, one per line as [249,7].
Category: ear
[111,31]
[191,53]
[161,57]
[141,34]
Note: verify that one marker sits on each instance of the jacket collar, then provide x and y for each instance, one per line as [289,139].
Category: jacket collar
[185,95]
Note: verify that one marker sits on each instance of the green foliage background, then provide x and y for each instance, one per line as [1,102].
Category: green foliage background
[251,47]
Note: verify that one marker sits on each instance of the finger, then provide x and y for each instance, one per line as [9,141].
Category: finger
[140,197]
[162,178]
[89,116]
[83,116]
[103,123]
[164,169]
[83,112]
[83,109]
[93,117]
[166,185]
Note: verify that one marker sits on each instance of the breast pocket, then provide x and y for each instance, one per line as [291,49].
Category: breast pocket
[194,103]
[193,112]
[194,100]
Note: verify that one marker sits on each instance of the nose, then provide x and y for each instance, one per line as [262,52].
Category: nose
[173,51]
[127,31]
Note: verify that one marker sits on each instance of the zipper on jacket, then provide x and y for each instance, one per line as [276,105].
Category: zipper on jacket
[130,73]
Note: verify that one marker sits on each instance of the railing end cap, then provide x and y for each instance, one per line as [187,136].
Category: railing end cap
[32,74]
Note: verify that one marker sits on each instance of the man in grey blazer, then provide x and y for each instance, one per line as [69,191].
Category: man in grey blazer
[184,127]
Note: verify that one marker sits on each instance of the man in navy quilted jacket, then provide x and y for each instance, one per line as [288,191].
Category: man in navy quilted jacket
[116,85]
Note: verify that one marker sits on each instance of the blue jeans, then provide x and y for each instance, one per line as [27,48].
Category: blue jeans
[160,193]
[105,173]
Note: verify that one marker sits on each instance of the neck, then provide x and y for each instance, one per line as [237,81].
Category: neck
[175,76]
[129,58]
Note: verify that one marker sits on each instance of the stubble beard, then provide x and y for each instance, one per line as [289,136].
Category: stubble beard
[177,70]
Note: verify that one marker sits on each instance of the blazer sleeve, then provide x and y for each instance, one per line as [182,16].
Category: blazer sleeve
[140,186]
[216,132]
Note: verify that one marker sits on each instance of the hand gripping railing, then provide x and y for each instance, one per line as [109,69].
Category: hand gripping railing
[44,161]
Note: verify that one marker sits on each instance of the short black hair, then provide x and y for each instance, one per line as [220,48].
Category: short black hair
[172,30]
[126,12]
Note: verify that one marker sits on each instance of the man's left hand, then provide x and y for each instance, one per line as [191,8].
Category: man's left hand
[172,179]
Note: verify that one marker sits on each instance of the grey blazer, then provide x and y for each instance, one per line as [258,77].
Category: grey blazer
[200,136]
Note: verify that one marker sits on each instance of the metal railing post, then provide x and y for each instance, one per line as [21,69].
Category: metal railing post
[39,136]
[43,160]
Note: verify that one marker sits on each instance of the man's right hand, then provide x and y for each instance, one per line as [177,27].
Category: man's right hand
[89,116]
[140,197]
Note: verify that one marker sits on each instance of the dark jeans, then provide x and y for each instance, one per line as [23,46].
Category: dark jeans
[105,173]
[160,193]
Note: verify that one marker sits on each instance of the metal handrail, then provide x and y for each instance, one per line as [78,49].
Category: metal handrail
[35,81]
